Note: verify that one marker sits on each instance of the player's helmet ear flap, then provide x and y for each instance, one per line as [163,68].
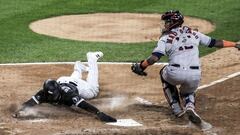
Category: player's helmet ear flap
[52,90]
[174,17]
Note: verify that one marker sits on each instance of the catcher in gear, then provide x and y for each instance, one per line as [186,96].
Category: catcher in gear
[67,91]
[180,44]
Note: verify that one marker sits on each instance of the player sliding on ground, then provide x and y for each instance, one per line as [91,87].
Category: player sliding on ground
[72,90]
[180,44]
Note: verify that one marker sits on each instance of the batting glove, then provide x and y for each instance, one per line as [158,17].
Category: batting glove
[106,118]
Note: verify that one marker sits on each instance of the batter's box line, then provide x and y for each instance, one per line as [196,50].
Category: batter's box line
[219,81]
[146,102]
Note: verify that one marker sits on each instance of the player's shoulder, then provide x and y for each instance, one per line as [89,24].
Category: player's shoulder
[186,29]
[163,39]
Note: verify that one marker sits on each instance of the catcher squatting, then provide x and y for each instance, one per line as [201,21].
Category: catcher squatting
[179,43]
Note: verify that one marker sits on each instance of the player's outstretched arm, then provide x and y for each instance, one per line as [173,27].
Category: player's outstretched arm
[25,105]
[139,68]
[225,43]
[90,108]
[37,99]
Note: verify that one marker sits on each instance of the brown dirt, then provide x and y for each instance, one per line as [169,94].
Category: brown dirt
[110,27]
[218,105]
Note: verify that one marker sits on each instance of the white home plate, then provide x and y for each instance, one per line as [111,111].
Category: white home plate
[125,123]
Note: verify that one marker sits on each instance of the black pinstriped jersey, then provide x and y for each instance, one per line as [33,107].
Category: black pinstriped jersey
[68,96]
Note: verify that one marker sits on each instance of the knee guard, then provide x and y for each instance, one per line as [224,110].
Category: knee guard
[172,96]
[170,91]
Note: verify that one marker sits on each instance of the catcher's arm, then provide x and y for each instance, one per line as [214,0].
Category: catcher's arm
[90,108]
[139,68]
[225,43]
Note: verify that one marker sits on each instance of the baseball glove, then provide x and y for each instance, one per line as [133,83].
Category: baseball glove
[238,46]
[106,118]
[138,69]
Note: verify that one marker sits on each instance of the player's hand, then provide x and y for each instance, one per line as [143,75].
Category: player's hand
[137,69]
[18,113]
[106,118]
[238,46]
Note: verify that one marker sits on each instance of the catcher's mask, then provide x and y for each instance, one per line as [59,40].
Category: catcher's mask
[52,90]
[172,19]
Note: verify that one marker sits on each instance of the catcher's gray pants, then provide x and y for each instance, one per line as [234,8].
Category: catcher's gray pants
[187,78]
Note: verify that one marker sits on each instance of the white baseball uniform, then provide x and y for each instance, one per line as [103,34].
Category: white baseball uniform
[181,47]
[87,89]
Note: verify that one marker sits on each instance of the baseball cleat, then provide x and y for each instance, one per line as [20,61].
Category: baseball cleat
[94,55]
[193,116]
[79,66]
[180,114]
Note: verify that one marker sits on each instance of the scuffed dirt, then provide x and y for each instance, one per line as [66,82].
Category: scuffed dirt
[218,104]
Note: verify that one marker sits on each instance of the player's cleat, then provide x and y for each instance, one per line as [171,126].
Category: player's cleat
[79,66]
[177,110]
[94,55]
[192,115]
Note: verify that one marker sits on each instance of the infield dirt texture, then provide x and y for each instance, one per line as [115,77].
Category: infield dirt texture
[217,104]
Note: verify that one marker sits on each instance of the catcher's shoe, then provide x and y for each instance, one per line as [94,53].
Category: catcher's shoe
[177,110]
[94,55]
[79,66]
[192,115]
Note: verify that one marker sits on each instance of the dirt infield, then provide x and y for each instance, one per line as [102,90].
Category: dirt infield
[218,104]
[111,27]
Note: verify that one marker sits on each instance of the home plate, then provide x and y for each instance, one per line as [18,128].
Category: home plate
[125,123]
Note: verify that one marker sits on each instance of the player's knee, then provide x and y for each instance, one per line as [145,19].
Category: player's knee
[161,74]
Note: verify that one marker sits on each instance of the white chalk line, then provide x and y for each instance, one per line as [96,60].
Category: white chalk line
[206,127]
[219,81]
[60,63]
[139,99]
[146,102]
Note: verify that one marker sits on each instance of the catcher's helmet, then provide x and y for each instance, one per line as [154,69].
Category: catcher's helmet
[52,90]
[174,18]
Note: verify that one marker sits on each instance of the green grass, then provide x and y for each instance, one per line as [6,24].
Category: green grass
[19,44]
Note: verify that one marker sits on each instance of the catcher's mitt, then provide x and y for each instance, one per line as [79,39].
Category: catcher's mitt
[238,46]
[137,68]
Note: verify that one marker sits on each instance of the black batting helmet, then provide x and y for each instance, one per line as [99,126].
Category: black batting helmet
[52,90]
[174,18]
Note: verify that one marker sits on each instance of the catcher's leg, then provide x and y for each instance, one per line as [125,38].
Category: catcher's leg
[172,96]
[189,101]
[187,92]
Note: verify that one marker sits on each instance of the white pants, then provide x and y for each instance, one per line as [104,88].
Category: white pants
[87,89]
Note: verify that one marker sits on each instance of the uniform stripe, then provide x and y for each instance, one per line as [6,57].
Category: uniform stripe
[34,98]
[79,102]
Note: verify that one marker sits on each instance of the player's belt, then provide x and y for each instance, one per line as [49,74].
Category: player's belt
[191,67]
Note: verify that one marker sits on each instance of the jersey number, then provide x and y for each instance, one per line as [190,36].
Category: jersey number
[185,48]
